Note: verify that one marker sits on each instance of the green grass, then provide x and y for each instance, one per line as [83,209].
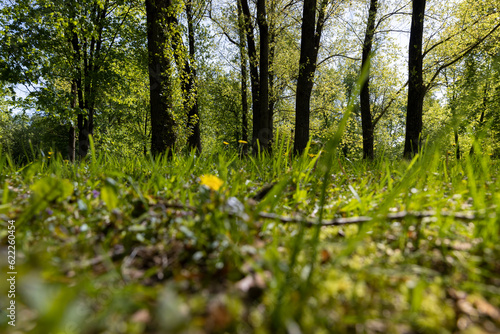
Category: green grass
[140,246]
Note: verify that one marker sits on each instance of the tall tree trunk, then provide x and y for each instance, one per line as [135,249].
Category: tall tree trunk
[416,87]
[94,65]
[160,84]
[82,124]
[86,58]
[455,122]
[194,139]
[244,76]
[71,132]
[254,72]
[266,128]
[366,115]
[272,52]
[309,46]
[146,135]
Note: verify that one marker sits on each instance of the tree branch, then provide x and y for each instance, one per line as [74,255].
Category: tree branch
[464,53]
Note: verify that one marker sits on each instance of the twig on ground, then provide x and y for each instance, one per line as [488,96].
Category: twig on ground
[467,216]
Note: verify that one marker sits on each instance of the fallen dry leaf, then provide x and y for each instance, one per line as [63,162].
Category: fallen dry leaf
[325,256]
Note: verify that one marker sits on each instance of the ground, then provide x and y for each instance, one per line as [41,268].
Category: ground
[223,244]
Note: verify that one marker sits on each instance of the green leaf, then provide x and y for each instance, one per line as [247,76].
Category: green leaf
[52,189]
[109,193]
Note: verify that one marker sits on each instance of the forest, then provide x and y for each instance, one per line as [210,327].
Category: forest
[250,166]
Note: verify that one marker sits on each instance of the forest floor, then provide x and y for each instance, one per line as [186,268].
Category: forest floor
[219,244]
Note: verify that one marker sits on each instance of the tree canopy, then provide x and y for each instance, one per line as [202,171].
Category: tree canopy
[89,66]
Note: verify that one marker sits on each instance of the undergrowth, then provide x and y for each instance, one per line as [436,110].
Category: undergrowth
[236,244]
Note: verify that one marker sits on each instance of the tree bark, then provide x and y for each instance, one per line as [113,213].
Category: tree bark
[366,115]
[71,131]
[86,60]
[185,59]
[254,71]
[244,77]
[272,53]
[194,139]
[264,135]
[309,46]
[162,122]
[82,124]
[416,87]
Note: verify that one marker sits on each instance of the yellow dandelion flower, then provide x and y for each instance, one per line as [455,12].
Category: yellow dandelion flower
[312,155]
[225,143]
[50,153]
[211,181]
[242,142]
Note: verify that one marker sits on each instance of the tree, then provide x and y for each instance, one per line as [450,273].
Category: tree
[159,19]
[366,114]
[185,59]
[416,88]
[194,138]
[244,74]
[73,48]
[310,40]
[259,76]
[265,131]
[254,71]
[471,32]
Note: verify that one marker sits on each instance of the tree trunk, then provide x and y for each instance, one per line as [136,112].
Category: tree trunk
[309,46]
[272,52]
[264,135]
[83,140]
[254,72]
[71,132]
[194,139]
[416,87]
[244,76]
[162,122]
[366,115]
[146,135]
[86,59]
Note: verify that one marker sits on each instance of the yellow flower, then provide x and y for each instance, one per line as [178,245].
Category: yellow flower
[242,142]
[225,143]
[50,153]
[312,155]
[211,181]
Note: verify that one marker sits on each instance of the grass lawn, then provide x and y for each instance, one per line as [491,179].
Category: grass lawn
[222,244]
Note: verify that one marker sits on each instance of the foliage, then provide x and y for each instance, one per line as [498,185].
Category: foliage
[24,137]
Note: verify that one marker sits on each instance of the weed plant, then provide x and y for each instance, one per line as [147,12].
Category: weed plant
[151,245]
